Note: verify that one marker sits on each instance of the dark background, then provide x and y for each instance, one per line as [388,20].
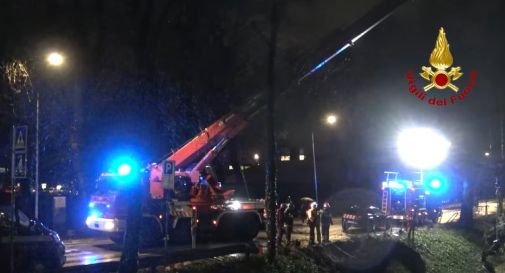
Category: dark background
[142,77]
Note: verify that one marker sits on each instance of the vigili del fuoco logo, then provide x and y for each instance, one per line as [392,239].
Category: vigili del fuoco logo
[441,76]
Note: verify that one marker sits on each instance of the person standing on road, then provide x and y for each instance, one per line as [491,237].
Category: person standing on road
[289,217]
[326,221]
[280,223]
[314,222]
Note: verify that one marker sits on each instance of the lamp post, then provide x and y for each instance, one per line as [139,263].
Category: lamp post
[330,120]
[56,60]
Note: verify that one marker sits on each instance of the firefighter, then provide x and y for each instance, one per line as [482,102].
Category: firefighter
[314,222]
[280,223]
[326,221]
[289,217]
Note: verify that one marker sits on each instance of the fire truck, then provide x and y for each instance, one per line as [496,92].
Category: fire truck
[193,198]
[400,198]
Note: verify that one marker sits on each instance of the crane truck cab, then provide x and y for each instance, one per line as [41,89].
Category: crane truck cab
[170,214]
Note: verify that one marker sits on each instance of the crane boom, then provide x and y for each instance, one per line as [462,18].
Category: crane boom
[193,156]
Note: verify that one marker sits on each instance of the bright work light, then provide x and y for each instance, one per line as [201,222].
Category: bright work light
[422,148]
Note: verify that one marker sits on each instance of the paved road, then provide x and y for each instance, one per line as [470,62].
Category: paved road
[90,251]
[99,250]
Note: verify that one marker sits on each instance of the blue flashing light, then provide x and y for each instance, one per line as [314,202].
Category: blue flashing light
[91,204]
[94,214]
[396,185]
[124,169]
[435,184]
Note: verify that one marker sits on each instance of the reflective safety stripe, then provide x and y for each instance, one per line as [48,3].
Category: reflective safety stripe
[27,239]
[181,213]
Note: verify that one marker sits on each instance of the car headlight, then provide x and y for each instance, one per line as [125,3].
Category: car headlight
[234,205]
[109,225]
[88,220]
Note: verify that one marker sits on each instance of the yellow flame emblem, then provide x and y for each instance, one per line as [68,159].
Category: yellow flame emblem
[441,59]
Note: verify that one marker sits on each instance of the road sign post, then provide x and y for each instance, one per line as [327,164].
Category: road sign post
[18,170]
[168,176]
[19,149]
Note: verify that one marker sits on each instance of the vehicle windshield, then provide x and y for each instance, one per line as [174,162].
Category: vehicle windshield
[106,184]
[5,212]
[373,210]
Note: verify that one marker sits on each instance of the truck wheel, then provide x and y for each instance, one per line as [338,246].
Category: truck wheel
[388,225]
[239,226]
[249,228]
[117,238]
[345,227]
[181,234]
[150,233]
[370,226]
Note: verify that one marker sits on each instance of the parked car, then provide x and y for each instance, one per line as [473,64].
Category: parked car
[367,219]
[36,247]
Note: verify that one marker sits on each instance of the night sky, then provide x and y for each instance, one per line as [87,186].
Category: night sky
[145,76]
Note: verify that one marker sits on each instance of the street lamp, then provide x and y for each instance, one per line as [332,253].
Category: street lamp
[331,119]
[56,60]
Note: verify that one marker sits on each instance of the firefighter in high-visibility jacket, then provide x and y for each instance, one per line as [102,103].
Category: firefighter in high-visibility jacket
[314,222]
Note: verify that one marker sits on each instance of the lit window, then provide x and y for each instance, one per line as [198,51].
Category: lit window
[245,167]
[301,157]
[285,157]
[230,167]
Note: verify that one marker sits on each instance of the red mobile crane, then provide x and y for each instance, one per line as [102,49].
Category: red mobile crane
[194,197]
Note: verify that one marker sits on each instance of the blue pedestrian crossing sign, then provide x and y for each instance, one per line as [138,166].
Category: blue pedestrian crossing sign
[20,165]
[20,137]
[168,176]
[19,149]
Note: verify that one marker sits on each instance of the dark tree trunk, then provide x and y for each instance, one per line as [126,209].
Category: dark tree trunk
[270,167]
[466,219]
[129,255]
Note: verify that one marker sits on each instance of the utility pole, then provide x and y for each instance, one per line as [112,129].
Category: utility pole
[314,166]
[270,167]
[499,172]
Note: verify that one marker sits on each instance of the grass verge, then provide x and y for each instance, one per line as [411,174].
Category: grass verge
[449,250]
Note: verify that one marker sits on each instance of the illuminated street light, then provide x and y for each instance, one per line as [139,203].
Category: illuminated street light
[422,148]
[331,119]
[487,154]
[256,157]
[55,59]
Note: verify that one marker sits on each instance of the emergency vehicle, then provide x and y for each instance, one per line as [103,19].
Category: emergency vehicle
[194,198]
[402,198]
